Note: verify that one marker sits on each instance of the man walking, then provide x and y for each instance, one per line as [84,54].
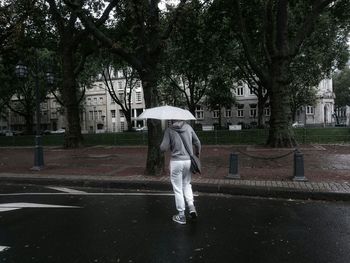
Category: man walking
[179,139]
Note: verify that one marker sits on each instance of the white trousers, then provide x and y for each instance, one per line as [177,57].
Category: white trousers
[180,177]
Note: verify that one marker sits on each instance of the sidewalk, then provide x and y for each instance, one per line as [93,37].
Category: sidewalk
[263,171]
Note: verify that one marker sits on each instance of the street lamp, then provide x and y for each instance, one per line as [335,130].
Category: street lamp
[22,73]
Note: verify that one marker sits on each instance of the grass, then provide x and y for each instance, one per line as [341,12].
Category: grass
[220,137]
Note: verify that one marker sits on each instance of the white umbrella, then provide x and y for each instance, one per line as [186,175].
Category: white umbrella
[167,113]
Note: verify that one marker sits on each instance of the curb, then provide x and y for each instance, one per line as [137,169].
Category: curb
[163,185]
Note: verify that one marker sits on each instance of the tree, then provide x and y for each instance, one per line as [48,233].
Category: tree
[23,102]
[226,44]
[189,59]
[131,81]
[73,48]
[142,24]
[301,96]
[25,35]
[10,19]
[5,91]
[219,95]
[341,85]
[277,32]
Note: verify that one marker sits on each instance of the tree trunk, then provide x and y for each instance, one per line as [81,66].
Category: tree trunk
[219,122]
[261,106]
[29,124]
[155,158]
[280,133]
[128,119]
[73,137]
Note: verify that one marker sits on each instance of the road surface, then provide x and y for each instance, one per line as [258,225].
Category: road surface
[57,224]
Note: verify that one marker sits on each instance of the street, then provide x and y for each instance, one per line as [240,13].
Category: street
[57,224]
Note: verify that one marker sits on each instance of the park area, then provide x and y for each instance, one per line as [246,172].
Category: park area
[124,154]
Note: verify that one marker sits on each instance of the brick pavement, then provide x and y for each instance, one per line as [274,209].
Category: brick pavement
[327,167]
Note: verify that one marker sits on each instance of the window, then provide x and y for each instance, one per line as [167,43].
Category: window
[101,100]
[216,114]
[309,110]
[228,113]
[240,110]
[267,110]
[239,91]
[252,111]
[95,101]
[199,113]
[99,117]
[89,101]
[113,113]
[54,104]
[120,85]
[100,85]
[121,96]
[251,91]
[138,97]
[121,114]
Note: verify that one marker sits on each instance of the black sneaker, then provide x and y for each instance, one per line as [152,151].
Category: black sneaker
[193,213]
[181,219]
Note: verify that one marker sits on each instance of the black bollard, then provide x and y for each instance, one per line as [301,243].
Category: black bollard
[233,170]
[298,170]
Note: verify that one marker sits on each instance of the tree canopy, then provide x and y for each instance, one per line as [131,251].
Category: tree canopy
[341,86]
[282,36]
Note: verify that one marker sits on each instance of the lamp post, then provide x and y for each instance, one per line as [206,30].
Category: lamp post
[22,73]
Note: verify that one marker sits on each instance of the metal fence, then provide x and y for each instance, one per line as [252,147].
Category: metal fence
[217,137]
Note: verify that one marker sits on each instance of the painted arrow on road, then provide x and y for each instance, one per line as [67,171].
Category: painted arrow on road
[3,248]
[15,206]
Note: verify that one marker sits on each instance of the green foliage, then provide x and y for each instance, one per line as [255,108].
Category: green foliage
[187,62]
[341,86]
[219,94]
[281,40]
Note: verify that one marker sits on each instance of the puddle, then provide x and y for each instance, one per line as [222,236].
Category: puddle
[337,161]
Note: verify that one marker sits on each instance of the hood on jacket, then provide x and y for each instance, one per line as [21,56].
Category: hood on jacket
[179,126]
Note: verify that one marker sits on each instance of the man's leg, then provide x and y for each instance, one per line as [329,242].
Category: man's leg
[176,169]
[187,189]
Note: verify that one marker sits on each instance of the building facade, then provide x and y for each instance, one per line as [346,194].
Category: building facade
[100,113]
[322,113]
[245,111]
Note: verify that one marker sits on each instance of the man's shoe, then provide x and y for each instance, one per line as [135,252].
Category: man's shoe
[181,219]
[193,213]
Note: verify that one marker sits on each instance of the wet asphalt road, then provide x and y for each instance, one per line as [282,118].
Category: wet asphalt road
[115,226]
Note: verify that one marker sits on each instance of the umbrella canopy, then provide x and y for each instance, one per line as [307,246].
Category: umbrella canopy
[167,113]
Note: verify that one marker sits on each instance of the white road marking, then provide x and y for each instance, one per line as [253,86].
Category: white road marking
[3,248]
[93,194]
[67,190]
[34,205]
[4,209]
[14,206]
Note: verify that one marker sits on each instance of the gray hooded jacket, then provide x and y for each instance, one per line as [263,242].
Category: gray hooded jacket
[172,141]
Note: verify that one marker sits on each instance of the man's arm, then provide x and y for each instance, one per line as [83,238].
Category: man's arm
[164,146]
[197,144]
